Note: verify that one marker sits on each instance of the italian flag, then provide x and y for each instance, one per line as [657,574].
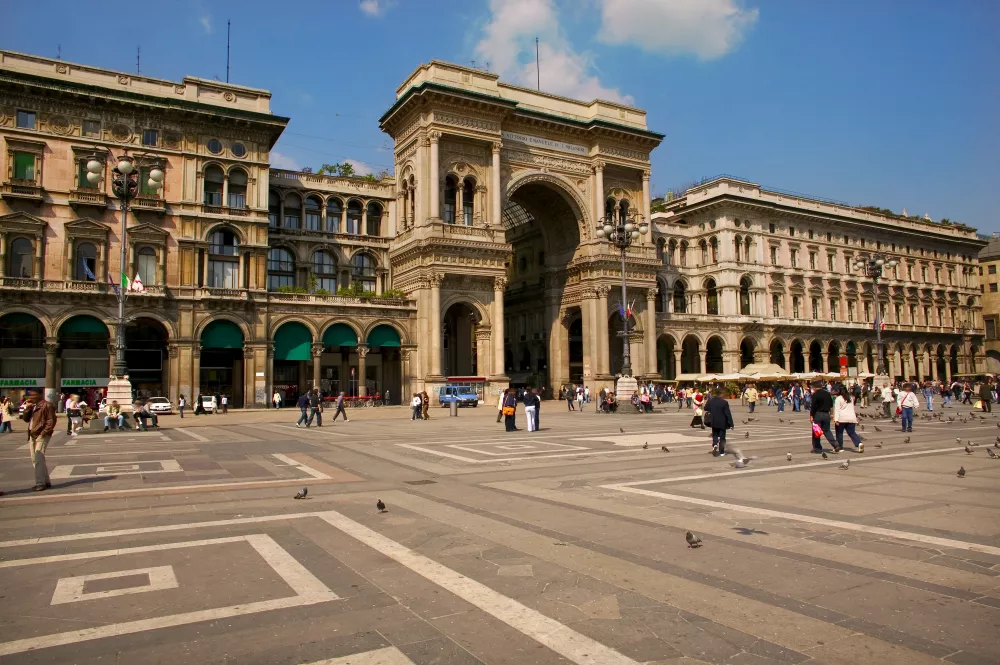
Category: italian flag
[126,283]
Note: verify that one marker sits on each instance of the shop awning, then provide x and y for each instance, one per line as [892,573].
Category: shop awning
[293,341]
[83,324]
[383,336]
[222,335]
[340,334]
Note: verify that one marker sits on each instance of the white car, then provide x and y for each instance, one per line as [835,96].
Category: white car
[208,403]
[160,405]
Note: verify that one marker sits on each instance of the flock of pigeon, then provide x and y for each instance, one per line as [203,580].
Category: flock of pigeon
[304,492]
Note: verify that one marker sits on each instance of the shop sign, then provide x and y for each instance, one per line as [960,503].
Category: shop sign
[21,383]
[84,383]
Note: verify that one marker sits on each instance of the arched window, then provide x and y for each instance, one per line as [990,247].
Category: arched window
[238,189]
[293,212]
[704,252]
[714,246]
[334,210]
[738,247]
[213,185]
[468,200]
[146,266]
[661,300]
[661,255]
[684,254]
[747,243]
[374,219]
[623,207]
[20,259]
[680,298]
[745,296]
[363,272]
[273,209]
[711,297]
[450,199]
[314,214]
[84,260]
[354,217]
[223,260]
[671,259]
[610,207]
[280,269]
[324,268]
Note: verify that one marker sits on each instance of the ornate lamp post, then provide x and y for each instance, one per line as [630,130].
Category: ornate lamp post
[621,231]
[871,266]
[125,187]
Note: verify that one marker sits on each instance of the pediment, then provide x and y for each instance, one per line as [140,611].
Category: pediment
[87,227]
[22,222]
[147,232]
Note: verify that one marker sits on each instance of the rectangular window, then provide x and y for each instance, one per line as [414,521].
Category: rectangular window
[899,313]
[909,273]
[794,256]
[144,188]
[776,306]
[24,166]
[940,313]
[991,327]
[81,176]
[91,128]
[791,231]
[774,256]
[223,274]
[927,316]
[868,312]
[829,237]
[810,234]
[812,260]
[26,119]
[815,304]
[913,315]
[834,306]
[829,262]
[992,269]
[150,137]
[993,287]
[980,271]
[770,228]
[850,311]
[795,307]
[951,277]
[239,201]
[923,274]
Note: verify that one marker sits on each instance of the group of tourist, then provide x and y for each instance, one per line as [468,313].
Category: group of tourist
[420,404]
[311,406]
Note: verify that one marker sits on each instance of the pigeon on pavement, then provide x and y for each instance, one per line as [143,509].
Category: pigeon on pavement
[989,451]
[877,428]
[906,440]
[825,456]
[747,435]
[878,445]
[380,506]
[645,446]
[665,449]
[861,448]
[692,540]
[788,456]
[622,430]
[301,494]
[958,440]
[846,465]
[968,450]
[961,472]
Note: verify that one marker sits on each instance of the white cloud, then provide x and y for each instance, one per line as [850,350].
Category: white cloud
[363,168]
[206,23]
[280,161]
[707,28]
[375,7]
[508,44]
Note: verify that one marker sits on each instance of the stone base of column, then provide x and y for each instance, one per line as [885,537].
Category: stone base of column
[881,381]
[121,390]
[52,396]
[624,389]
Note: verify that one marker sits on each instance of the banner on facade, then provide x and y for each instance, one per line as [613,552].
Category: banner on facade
[21,383]
[84,383]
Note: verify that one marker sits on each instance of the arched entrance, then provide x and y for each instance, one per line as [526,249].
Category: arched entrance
[815,357]
[145,355]
[542,219]
[851,351]
[778,354]
[292,374]
[953,360]
[459,351]
[22,354]
[665,351]
[747,347]
[691,355]
[86,359]
[383,367]
[798,359]
[340,345]
[221,370]
[713,356]
[941,364]
[833,358]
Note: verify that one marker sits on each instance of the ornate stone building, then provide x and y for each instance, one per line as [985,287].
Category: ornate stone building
[989,266]
[752,275]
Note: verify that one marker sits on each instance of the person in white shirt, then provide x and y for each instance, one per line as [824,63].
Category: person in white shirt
[415,404]
[181,403]
[845,419]
[907,402]
[225,404]
[276,399]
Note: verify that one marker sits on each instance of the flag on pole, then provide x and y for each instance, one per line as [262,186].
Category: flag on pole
[87,271]
[126,283]
[137,285]
[621,311]
[114,286]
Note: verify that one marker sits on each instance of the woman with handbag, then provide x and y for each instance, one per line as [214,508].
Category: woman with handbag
[845,419]
[75,414]
[509,410]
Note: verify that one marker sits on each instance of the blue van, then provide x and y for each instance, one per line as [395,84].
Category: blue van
[464,394]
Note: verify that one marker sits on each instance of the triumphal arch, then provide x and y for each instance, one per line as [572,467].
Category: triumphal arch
[500,190]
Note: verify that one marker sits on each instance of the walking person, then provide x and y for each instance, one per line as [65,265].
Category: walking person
[425,405]
[415,405]
[303,404]
[907,402]
[315,408]
[928,392]
[181,403]
[199,405]
[40,415]
[887,401]
[779,397]
[570,395]
[276,399]
[69,403]
[845,418]
[510,411]
[986,396]
[698,401]
[340,408]
[579,399]
[500,399]
[531,409]
[225,404]
[751,397]
[216,400]
[720,419]
[967,390]
[796,398]
[6,415]
[74,412]
[819,417]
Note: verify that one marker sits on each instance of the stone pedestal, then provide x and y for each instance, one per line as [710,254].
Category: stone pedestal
[881,381]
[624,389]
[121,390]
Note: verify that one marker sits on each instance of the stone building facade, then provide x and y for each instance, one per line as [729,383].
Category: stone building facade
[989,277]
[752,275]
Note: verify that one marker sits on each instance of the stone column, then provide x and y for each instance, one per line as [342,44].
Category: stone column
[317,355]
[404,380]
[702,354]
[483,350]
[921,366]
[604,358]
[51,387]
[497,199]
[651,331]
[195,372]
[459,203]
[400,211]
[435,324]
[433,182]
[173,364]
[363,231]
[598,190]
[645,196]
[36,272]
[673,359]
[497,330]
[3,256]
[362,373]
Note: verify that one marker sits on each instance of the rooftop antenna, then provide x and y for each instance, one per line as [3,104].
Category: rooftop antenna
[138,52]
[59,52]
[538,71]
[227,50]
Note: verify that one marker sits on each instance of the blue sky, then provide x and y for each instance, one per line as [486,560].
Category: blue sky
[871,102]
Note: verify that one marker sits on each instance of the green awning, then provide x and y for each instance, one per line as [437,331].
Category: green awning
[83,324]
[340,334]
[19,319]
[293,341]
[222,335]
[383,336]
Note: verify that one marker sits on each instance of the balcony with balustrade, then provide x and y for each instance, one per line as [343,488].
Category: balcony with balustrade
[22,190]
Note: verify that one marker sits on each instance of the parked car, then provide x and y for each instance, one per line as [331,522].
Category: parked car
[208,403]
[463,394]
[160,405]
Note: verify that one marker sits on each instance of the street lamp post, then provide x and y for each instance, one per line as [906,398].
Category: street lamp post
[621,230]
[125,186]
[872,266]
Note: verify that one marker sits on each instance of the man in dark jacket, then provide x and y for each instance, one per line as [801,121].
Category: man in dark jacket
[315,408]
[819,414]
[303,405]
[531,399]
[986,395]
[41,416]
[717,409]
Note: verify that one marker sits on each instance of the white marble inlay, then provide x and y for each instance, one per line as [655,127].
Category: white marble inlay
[70,589]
